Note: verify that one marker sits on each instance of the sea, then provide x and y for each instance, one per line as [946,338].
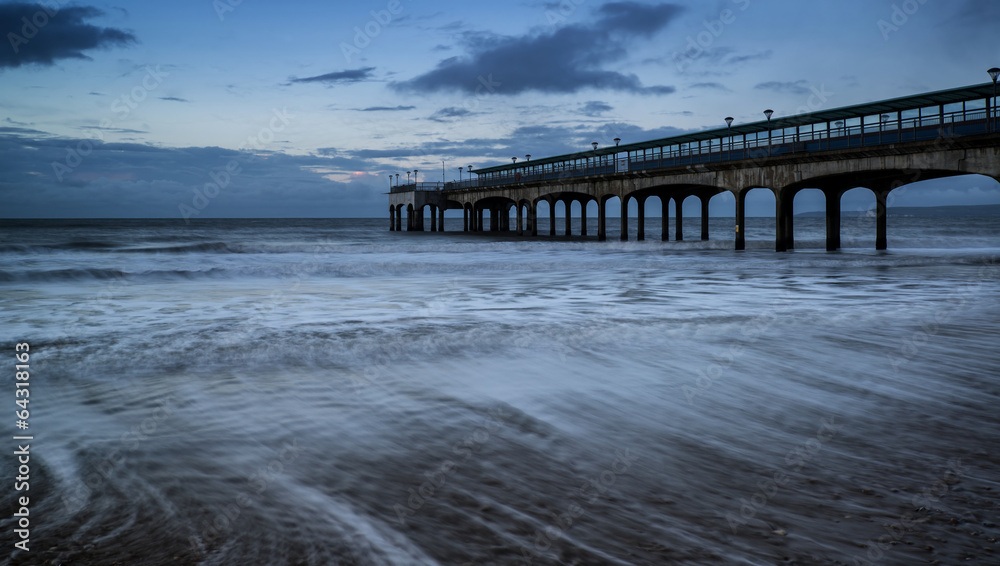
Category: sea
[328,391]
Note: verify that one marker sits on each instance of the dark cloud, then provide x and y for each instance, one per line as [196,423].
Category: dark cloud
[797,87]
[42,35]
[595,108]
[174,99]
[711,86]
[386,108]
[566,60]
[759,56]
[446,114]
[137,180]
[348,76]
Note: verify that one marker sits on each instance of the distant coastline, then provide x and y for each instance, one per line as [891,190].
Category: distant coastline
[921,211]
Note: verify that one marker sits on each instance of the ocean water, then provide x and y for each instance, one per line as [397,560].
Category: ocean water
[329,392]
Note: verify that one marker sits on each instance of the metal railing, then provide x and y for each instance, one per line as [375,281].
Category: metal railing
[735,148]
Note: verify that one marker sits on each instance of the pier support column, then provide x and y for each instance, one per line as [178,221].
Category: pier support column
[552,217]
[624,236]
[399,218]
[881,238]
[520,221]
[779,222]
[789,221]
[583,218]
[480,213]
[832,220]
[569,217]
[441,220]
[641,235]
[434,225]
[704,217]
[602,233]
[465,219]
[533,218]
[741,220]
[679,210]
[665,216]
[409,218]
[392,219]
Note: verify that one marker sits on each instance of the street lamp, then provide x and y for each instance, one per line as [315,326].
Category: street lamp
[994,73]
[616,141]
[460,175]
[729,128]
[768,113]
[397,179]
[407,177]
[414,177]
[390,181]
[513,160]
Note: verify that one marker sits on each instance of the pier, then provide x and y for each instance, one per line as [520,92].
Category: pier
[880,146]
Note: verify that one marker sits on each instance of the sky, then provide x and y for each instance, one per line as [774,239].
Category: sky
[253,108]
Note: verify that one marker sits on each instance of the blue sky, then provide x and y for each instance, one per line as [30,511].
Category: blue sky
[132,109]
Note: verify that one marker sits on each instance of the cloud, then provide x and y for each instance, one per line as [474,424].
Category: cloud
[174,99]
[445,114]
[759,56]
[797,87]
[386,108]
[595,108]
[138,180]
[42,35]
[348,76]
[711,86]
[565,60]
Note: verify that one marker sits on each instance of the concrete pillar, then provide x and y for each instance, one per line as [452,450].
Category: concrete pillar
[665,215]
[399,218]
[624,237]
[832,219]
[704,216]
[465,219]
[552,217]
[790,222]
[434,226]
[480,213]
[569,217]
[679,210]
[441,220]
[641,235]
[741,197]
[583,217]
[520,221]
[881,239]
[392,219]
[602,233]
[533,218]
[779,222]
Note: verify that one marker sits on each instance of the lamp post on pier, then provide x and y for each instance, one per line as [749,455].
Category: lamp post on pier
[992,110]
[729,130]
[768,113]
